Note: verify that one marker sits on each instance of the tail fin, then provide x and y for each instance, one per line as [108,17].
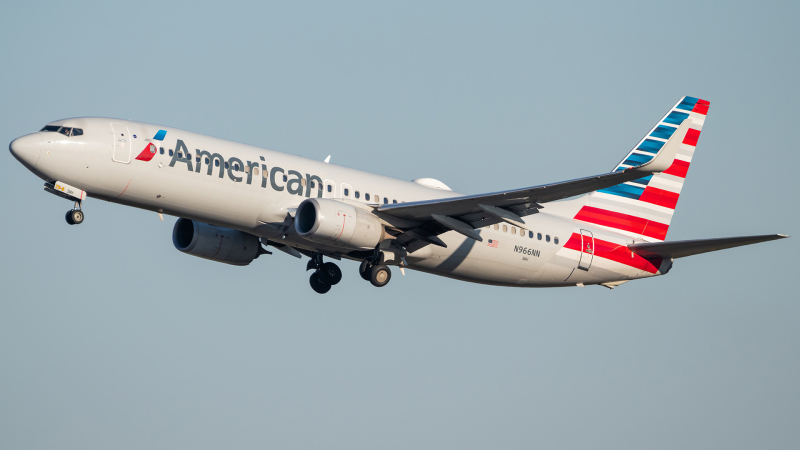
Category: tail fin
[643,208]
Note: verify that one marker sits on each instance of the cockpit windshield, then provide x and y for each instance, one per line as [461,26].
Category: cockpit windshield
[66,131]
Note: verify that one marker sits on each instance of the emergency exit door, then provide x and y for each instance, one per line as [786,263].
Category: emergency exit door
[122,143]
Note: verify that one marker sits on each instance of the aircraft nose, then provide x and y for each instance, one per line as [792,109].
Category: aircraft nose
[26,149]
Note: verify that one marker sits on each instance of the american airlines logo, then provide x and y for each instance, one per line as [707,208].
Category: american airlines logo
[296,183]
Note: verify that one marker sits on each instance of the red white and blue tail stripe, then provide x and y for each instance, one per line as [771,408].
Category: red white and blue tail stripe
[643,208]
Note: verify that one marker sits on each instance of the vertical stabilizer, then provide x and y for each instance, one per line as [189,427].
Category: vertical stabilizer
[643,208]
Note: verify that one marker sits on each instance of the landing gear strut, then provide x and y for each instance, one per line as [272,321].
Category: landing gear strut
[75,215]
[374,271]
[325,275]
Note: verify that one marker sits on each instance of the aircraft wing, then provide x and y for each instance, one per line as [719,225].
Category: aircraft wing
[464,214]
[680,249]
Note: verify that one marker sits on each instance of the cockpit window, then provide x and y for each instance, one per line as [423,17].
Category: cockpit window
[66,131]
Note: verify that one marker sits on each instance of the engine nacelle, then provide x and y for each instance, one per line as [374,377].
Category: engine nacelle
[336,223]
[215,243]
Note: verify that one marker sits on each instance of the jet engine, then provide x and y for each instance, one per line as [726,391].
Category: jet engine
[336,223]
[215,243]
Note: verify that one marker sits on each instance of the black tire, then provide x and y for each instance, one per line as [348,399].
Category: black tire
[380,275]
[77,216]
[364,269]
[330,273]
[317,285]
[68,217]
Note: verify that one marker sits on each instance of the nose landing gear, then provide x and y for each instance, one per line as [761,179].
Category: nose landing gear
[75,215]
[325,275]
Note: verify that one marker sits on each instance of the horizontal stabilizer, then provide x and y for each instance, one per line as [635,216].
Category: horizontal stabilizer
[679,249]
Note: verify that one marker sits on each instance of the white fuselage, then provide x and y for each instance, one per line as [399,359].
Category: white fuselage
[275,183]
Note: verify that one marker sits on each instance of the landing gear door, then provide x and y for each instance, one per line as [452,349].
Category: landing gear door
[587,250]
[122,143]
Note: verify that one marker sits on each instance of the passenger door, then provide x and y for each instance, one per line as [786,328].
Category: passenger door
[122,143]
[587,250]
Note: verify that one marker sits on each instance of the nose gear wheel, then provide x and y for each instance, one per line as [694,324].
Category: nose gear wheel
[75,216]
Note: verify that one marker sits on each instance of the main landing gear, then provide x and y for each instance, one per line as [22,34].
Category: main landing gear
[325,275]
[75,215]
[374,271]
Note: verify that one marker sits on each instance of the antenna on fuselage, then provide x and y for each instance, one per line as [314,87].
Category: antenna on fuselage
[328,159]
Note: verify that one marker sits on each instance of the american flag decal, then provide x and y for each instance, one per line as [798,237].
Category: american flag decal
[493,243]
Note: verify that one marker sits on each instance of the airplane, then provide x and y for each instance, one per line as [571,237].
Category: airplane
[235,201]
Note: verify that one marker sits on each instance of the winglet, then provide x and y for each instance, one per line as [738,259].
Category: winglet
[666,156]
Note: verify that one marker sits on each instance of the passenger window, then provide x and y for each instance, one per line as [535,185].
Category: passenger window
[394,201]
[313,184]
[77,132]
[206,158]
[521,232]
[330,188]
[161,150]
[246,169]
[555,240]
[530,234]
[358,194]
[65,131]
[366,196]
[505,228]
[197,158]
[513,230]
[385,201]
[170,152]
[285,178]
[180,155]
[50,128]
[539,236]
[188,156]
[227,166]
[255,171]
[547,238]
[216,162]
[346,192]
[496,226]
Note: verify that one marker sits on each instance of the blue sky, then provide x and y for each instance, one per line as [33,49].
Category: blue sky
[109,337]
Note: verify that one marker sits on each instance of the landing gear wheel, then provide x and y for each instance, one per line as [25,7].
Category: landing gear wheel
[68,217]
[318,285]
[330,273]
[364,269]
[380,275]
[76,216]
